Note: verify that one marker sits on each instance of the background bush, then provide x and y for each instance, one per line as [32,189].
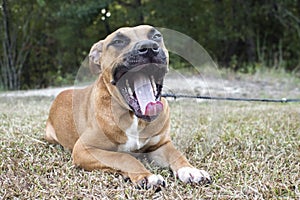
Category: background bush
[44,42]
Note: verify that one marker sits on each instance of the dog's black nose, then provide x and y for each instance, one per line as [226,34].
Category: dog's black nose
[147,48]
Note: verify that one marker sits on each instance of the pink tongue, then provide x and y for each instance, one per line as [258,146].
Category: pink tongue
[145,96]
[154,108]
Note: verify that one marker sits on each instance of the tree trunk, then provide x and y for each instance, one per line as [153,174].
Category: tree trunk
[7,54]
[250,45]
[14,54]
[140,8]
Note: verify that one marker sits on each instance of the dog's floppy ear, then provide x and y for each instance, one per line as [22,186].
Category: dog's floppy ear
[94,57]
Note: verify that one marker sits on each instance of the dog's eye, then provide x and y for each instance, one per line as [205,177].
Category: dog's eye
[118,42]
[157,36]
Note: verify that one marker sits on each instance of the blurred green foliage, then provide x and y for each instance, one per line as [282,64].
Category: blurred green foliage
[240,35]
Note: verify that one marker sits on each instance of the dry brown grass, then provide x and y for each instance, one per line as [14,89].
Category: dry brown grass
[252,150]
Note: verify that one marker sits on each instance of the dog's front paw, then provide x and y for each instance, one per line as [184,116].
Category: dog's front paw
[152,182]
[193,175]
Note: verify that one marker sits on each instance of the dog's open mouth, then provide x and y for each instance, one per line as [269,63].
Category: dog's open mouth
[141,88]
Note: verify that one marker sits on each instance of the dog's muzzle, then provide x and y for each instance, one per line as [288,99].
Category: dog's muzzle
[139,78]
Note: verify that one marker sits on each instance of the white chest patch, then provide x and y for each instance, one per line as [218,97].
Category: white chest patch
[134,142]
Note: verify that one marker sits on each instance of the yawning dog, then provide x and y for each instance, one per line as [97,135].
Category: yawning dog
[122,114]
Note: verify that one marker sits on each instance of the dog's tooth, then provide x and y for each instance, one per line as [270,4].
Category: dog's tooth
[130,91]
[153,84]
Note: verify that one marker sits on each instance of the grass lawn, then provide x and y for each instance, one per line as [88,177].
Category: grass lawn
[252,150]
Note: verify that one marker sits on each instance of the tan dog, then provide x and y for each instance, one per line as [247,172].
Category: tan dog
[122,114]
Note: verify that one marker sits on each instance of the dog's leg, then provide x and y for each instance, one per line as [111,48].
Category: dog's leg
[168,156]
[91,158]
[50,135]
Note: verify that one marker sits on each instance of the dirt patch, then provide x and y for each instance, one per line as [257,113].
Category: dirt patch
[233,86]
[230,86]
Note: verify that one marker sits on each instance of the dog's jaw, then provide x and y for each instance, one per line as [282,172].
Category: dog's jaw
[142,93]
[141,88]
